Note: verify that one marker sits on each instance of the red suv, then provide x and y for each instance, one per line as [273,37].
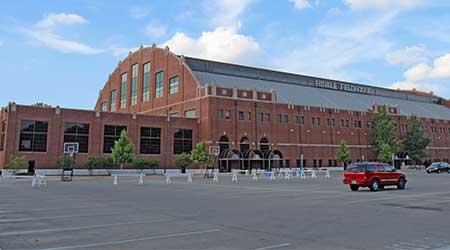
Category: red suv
[373,175]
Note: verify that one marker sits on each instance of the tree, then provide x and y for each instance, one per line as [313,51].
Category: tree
[343,154]
[17,163]
[141,163]
[416,140]
[386,152]
[65,161]
[384,139]
[123,150]
[200,154]
[182,161]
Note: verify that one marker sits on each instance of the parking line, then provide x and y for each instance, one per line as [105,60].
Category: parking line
[274,246]
[79,228]
[56,217]
[164,236]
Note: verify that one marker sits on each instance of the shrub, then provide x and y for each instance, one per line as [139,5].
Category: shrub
[99,162]
[16,163]
[141,163]
[65,161]
[183,160]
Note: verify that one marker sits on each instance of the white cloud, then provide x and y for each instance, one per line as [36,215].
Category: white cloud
[155,30]
[407,56]
[43,34]
[222,44]
[300,4]
[336,44]
[424,76]
[54,41]
[226,12]
[383,4]
[54,19]
[138,12]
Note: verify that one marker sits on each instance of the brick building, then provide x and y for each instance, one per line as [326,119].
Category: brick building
[259,118]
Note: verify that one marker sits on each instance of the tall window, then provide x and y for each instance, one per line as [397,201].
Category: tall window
[146,83]
[134,81]
[113,101]
[104,106]
[2,135]
[261,117]
[300,120]
[159,84]
[330,122]
[150,140]
[33,136]
[123,91]
[220,114]
[110,135]
[316,121]
[182,141]
[173,84]
[77,132]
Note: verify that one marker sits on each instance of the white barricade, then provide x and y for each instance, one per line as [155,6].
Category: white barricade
[302,174]
[313,174]
[327,174]
[189,179]
[216,178]
[272,176]
[287,175]
[168,181]
[139,176]
[234,178]
[141,179]
[115,180]
[39,180]
[254,177]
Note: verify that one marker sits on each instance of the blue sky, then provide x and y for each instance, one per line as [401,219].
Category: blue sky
[61,52]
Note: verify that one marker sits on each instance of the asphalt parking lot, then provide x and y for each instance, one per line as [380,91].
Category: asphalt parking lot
[92,213]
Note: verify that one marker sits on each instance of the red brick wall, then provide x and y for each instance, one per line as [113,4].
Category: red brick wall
[96,122]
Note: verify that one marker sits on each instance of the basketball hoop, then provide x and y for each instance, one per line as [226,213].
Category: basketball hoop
[71,151]
[71,148]
[214,150]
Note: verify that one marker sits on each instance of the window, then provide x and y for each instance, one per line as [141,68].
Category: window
[134,81]
[173,85]
[159,84]
[123,91]
[286,119]
[146,83]
[241,115]
[227,114]
[77,132]
[370,168]
[174,114]
[150,140]
[113,101]
[267,117]
[182,141]
[344,123]
[358,124]
[330,122]
[33,136]
[191,113]
[316,121]
[248,116]
[300,120]
[380,168]
[279,118]
[110,135]
[220,114]
[2,135]
[104,106]
[261,117]
[369,125]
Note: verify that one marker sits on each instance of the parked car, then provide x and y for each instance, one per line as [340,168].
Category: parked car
[438,167]
[373,175]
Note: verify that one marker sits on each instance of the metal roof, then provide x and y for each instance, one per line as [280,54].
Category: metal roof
[298,89]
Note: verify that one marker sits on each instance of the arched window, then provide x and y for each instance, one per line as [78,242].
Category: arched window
[244,144]
[224,144]
[264,145]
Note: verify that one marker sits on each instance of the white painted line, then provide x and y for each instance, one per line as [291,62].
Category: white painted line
[397,197]
[164,236]
[274,246]
[79,228]
[56,217]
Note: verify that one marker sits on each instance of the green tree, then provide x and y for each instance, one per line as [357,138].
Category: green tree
[384,138]
[386,152]
[182,161]
[123,150]
[16,163]
[65,161]
[343,154]
[416,140]
[200,154]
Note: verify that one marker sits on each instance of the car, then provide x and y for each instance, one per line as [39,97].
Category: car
[373,175]
[438,167]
